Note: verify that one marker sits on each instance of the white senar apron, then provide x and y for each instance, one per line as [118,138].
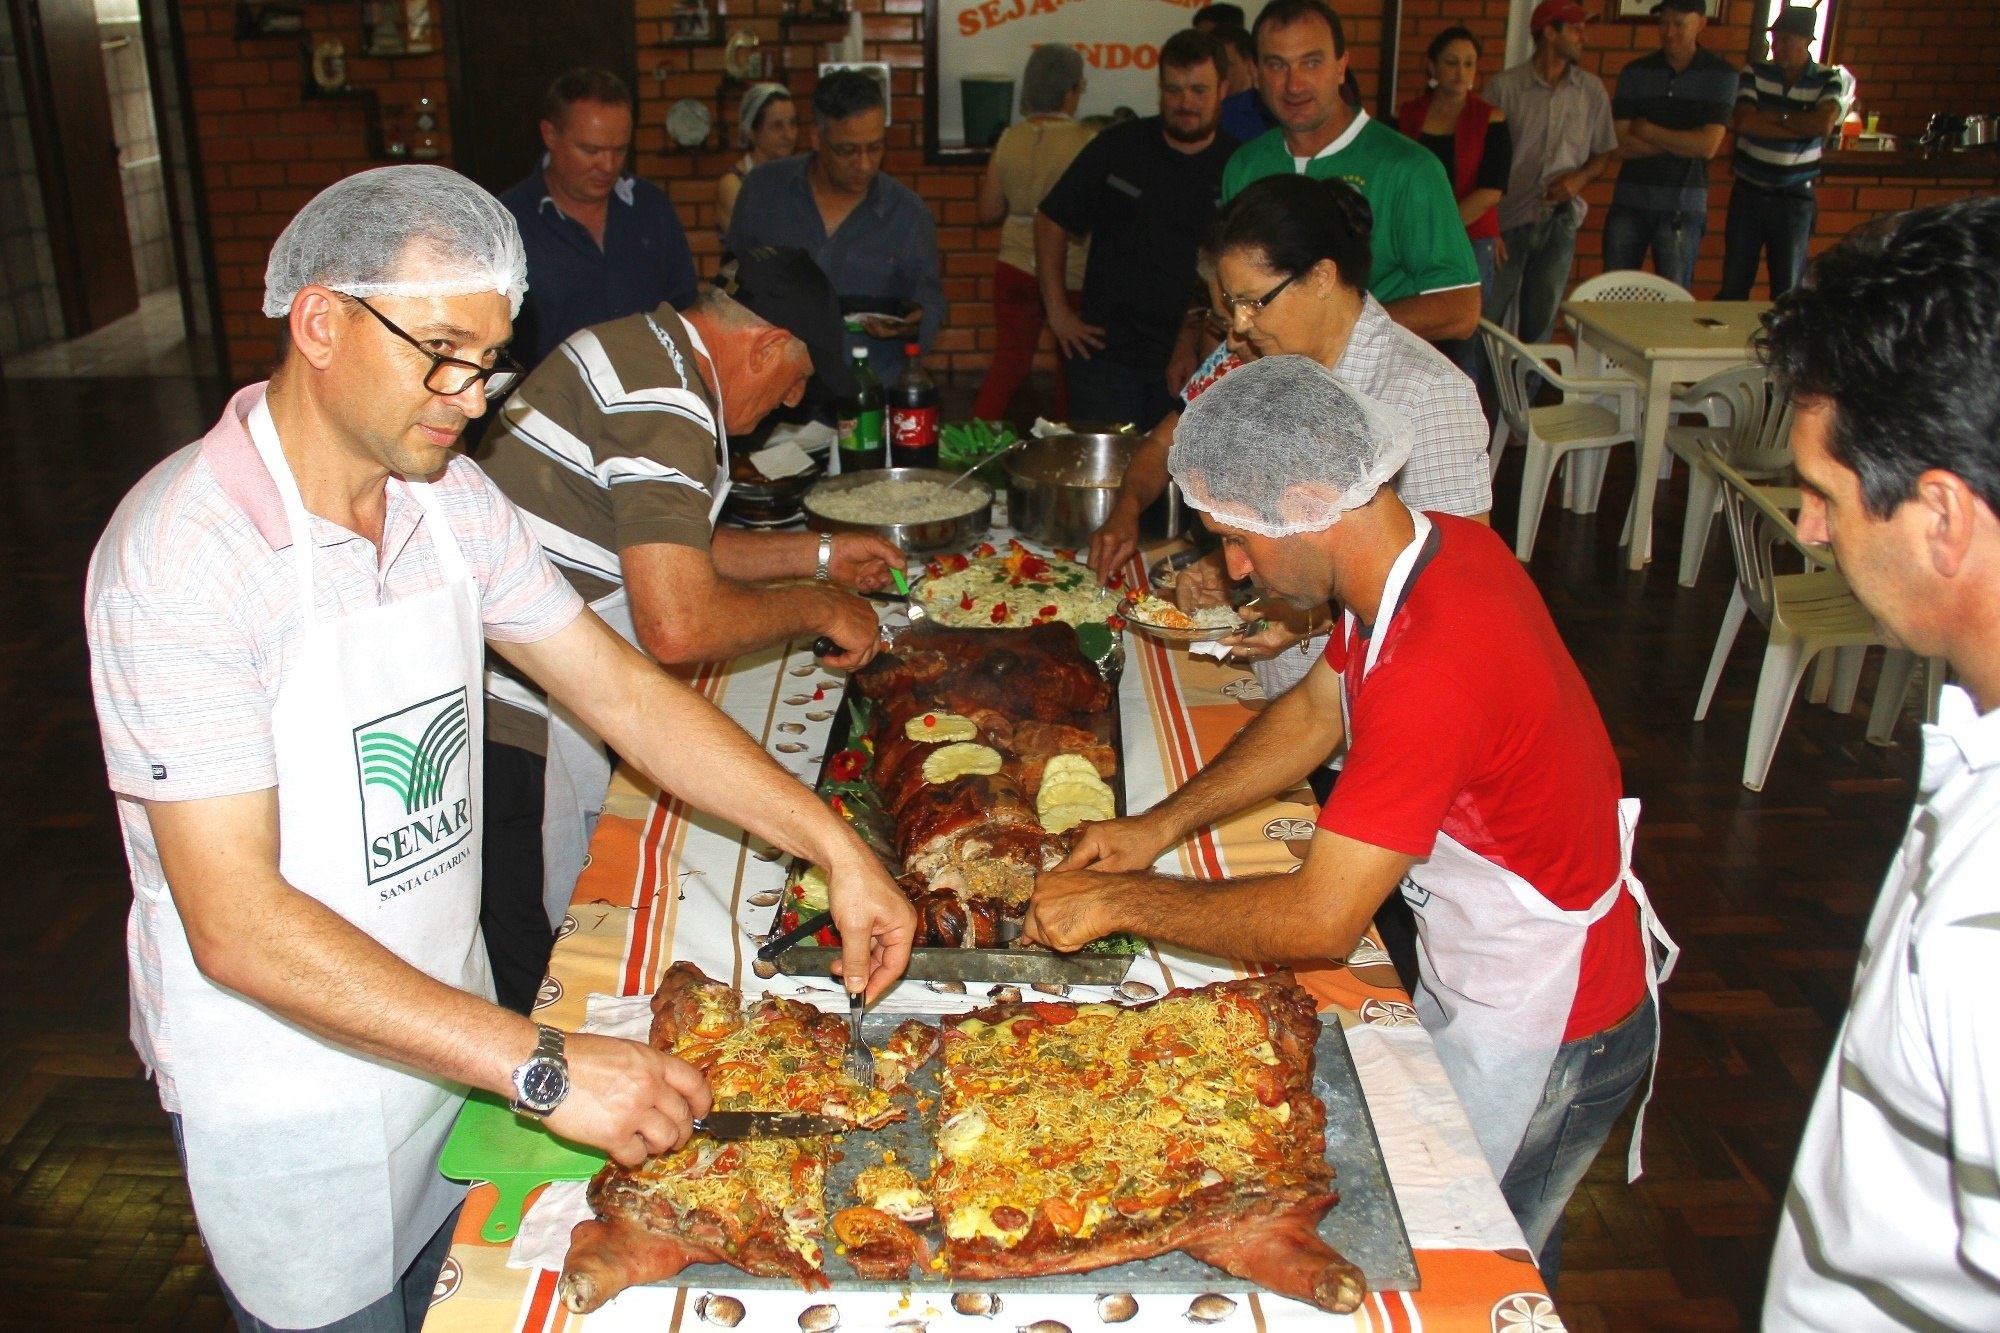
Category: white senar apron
[314,1168]
[578,775]
[1499,961]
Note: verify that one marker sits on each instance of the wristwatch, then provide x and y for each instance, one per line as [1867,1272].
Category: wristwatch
[542,1081]
[825,571]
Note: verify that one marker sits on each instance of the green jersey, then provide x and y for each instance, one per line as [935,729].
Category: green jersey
[1419,242]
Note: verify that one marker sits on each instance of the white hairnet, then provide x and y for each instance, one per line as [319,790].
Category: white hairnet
[752,106]
[1283,446]
[399,231]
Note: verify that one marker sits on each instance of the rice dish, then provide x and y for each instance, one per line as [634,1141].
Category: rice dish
[883,502]
[1013,590]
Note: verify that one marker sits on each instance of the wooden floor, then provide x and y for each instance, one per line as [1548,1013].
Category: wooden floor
[1767,894]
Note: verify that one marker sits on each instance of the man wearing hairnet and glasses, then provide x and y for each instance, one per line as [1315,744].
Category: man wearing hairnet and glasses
[286,621]
[1479,784]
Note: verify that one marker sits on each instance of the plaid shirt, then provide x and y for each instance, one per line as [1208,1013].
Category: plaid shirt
[1385,361]
[191,614]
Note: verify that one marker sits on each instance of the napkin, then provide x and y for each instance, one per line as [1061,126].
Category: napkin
[782,460]
[1214,648]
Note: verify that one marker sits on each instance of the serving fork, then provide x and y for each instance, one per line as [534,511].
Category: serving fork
[859,1061]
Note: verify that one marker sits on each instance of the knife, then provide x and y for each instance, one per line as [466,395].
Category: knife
[768,1125]
[808,925]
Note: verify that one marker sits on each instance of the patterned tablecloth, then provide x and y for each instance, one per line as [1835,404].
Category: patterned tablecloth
[666,883]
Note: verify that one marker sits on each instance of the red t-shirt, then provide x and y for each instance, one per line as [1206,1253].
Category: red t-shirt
[1475,721]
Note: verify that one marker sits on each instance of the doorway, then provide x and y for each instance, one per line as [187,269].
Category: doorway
[98,279]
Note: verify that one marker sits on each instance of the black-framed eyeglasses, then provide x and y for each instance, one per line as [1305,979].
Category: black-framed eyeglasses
[1240,306]
[499,377]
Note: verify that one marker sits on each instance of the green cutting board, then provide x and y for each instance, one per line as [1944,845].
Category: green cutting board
[515,1155]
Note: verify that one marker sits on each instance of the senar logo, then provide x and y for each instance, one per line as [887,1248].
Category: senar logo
[415,772]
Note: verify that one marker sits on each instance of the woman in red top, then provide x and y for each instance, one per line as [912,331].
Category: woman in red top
[1471,138]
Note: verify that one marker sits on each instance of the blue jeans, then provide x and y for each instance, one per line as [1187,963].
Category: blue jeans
[398,1311]
[1769,223]
[1464,352]
[1102,390]
[1536,270]
[1588,1086]
[1673,236]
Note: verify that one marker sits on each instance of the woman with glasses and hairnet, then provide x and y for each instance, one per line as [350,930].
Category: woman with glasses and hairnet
[1027,162]
[1480,786]
[287,623]
[1291,267]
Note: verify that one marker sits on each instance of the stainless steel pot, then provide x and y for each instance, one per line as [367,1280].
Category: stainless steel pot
[1061,489]
[1978,130]
[930,535]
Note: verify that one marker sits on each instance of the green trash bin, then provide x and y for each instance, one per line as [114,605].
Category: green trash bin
[988,104]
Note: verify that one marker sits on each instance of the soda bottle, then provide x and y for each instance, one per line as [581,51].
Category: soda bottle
[863,431]
[913,415]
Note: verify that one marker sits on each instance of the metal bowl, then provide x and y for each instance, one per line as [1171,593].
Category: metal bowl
[1061,489]
[929,535]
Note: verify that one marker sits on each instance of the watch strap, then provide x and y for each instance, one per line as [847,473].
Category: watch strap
[824,573]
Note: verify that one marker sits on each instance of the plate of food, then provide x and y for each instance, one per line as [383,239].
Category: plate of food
[1013,589]
[1162,619]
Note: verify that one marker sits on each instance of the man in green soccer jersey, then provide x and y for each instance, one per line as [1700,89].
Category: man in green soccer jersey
[1424,271]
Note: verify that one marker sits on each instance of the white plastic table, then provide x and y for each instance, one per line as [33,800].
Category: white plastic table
[1662,344]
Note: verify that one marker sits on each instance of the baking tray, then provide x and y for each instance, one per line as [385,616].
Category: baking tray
[1366,1225]
[1022,966]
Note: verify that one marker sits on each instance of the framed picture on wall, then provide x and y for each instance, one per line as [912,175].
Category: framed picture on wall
[1641,11]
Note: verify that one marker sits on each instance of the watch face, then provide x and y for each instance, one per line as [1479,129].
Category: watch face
[543,1083]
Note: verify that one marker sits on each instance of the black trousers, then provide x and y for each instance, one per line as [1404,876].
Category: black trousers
[1394,921]
[516,925]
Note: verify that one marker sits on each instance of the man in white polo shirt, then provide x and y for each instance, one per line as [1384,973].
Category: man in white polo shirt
[286,621]
[1893,1218]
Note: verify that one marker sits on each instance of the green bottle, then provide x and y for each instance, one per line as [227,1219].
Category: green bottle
[864,435]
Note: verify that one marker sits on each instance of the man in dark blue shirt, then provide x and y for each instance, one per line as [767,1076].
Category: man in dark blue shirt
[601,244]
[1671,110]
[873,237]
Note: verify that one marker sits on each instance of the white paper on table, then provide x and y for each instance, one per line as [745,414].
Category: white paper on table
[782,460]
[1214,648]
[1446,1191]
[811,436]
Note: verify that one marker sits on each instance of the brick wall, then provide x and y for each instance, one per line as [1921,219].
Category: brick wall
[1911,60]
[266,148]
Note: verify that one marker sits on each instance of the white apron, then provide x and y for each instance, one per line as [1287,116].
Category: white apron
[578,775]
[314,1168]
[1498,960]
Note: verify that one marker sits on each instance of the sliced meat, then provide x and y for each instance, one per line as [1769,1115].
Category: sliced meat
[881,1248]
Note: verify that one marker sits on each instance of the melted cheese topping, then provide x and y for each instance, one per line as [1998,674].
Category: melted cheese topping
[1117,1112]
[768,1062]
[893,1190]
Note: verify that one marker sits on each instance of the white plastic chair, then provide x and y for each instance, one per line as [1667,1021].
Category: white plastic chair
[1620,284]
[1594,414]
[1807,613]
[1748,425]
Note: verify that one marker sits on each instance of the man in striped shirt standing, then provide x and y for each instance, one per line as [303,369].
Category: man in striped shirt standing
[1893,1217]
[1785,108]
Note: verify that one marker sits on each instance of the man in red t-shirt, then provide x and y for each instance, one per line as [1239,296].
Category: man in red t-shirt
[1479,782]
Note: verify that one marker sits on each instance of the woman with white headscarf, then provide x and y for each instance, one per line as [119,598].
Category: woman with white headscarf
[1027,162]
[767,128]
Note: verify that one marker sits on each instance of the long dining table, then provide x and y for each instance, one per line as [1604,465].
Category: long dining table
[1664,345]
[666,883]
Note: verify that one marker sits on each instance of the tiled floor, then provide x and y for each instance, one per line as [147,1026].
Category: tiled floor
[148,342]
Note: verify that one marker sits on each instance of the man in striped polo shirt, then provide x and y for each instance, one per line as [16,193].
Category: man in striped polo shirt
[1785,108]
[1893,1217]
[1671,110]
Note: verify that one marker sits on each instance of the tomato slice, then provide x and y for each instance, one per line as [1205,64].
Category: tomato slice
[1268,1084]
[1063,1215]
[1055,1014]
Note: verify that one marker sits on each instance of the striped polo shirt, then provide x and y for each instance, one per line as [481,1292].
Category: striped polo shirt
[1650,89]
[1893,1217]
[611,442]
[1789,166]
